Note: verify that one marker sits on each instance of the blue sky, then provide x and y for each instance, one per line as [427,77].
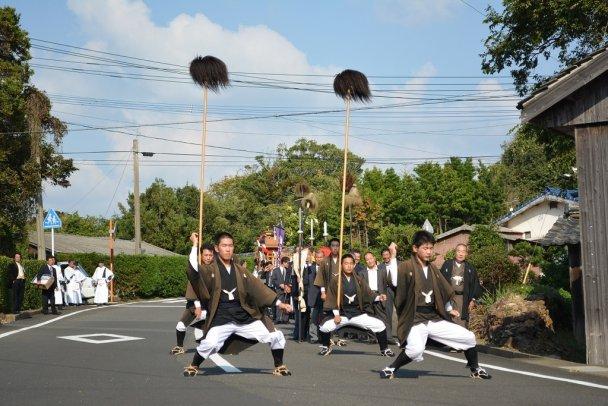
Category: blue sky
[432,48]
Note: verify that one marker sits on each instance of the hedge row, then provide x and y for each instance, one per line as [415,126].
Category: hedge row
[136,276]
[139,276]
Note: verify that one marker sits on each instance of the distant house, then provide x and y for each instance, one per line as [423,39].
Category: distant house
[70,243]
[447,241]
[534,218]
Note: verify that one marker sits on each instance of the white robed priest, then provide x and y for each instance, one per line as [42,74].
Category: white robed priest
[60,297]
[101,279]
[74,280]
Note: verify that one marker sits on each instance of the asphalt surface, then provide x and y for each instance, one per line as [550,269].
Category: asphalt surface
[39,367]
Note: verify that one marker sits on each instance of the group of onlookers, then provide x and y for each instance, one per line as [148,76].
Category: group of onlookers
[59,285]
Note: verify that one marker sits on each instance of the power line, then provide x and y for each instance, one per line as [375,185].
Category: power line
[117,186]
[286,74]
[98,182]
[472,7]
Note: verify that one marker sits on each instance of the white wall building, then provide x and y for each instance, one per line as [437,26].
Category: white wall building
[536,217]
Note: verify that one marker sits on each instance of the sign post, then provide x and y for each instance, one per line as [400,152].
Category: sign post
[52,221]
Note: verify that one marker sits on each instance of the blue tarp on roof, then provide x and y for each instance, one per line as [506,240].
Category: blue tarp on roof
[570,194]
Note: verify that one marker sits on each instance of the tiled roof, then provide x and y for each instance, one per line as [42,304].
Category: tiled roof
[564,231]
[70,243]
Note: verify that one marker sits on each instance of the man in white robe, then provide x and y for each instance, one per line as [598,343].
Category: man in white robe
[74,279]
[60,289]
[101,279]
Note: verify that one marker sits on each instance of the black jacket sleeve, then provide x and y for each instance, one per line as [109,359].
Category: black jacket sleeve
[11,274]
[446,269]
[475,286]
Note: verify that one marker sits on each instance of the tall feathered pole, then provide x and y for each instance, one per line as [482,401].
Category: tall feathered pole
[351,86]
[210,73]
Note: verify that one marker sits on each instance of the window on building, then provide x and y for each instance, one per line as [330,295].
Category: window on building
[528,235]
[553,205]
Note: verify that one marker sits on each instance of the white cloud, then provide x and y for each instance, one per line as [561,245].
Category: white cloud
[415,12]
[126,27]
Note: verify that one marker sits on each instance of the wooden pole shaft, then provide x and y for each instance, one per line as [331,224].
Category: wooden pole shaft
[527,272]
[202,180]
[344,170]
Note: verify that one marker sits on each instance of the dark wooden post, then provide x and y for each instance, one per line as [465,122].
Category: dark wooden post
[576,290]
[592,163]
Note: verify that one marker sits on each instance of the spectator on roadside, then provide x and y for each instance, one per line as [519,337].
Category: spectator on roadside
[74,279]
[16,283]
[60,291]
[102,278]
[281,280]
[465,282]
[359,267]
[48,295]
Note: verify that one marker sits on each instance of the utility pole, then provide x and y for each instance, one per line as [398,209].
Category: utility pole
[137,221]
[36,137]
[111,246]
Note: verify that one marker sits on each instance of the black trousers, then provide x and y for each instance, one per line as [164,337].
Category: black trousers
[389,307]
[48,298]
[18,290]
[304,321]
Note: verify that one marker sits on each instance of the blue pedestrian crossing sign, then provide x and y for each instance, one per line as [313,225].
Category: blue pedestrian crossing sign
[51,220]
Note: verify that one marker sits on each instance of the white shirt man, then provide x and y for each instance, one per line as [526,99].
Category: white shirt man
[102,278]
[373,278]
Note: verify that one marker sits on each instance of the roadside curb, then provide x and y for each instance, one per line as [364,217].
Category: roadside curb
[501,352]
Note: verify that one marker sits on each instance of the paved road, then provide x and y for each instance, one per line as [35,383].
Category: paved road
[39,367]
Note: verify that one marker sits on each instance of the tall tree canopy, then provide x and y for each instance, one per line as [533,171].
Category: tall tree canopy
[27,128]
[533,160]
[525,31]
[449,195]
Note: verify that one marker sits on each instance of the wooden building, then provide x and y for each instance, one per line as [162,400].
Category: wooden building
[575,102]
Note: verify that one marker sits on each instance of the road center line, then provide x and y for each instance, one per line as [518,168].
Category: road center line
[515,371]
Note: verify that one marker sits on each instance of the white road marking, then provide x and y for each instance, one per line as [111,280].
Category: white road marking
[174,300]
[222,363]
[155,306]
[44,323]
[515,371]
[216,358]
[114,338]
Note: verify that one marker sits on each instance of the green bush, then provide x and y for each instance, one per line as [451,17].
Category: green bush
[136,276]
[140,276]
[399,234]
[556,268]
[32,298]
[484,236]
[493,267]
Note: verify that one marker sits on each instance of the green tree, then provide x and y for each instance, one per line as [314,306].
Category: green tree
[526,31]
[28,130]
[490,258]
[533,160]
[168,216]
[91,226]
